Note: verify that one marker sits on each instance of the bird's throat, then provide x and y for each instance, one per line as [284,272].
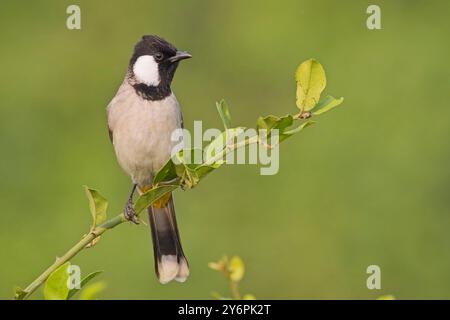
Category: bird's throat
[152,93]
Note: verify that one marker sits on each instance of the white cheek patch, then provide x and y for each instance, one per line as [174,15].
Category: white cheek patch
[146,70]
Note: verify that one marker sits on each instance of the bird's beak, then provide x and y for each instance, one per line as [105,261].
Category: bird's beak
[180,55]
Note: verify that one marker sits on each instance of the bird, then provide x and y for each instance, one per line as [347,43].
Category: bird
[141,118]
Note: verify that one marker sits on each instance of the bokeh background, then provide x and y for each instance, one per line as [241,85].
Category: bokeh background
[367,185]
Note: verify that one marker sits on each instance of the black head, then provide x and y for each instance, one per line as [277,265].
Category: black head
[153,66]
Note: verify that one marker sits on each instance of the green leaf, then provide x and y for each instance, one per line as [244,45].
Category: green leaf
[166,173]
[91,291]
[203,170]
[224,113]
[311,81]
[327,104]
[220,142]
[191,158]
[190,178]
[237,269]
[186,166]
[56,287]
[273,122]
[266,122]
[149,197]
[283,125]
[288,133]
[248,297]
[98,206]
[83,282]
[217,146]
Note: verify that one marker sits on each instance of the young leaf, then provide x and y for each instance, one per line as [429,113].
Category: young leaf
[327,104]
[190,158]
[220,265]
[205,169]
[273,122]
[187,162]
[97,205]
[218,144]
[91,291]
[224,113]
[189,178]
[288,133]
[149,197]
[270,122]
[56,287]
[236,268]
[83,282]
[166,173]
[266,122]
[311,81]
[282,124]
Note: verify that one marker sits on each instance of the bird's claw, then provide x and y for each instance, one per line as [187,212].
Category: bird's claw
[130,213]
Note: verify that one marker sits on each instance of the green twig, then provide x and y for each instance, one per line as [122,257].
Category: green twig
[99,230]
[110,224]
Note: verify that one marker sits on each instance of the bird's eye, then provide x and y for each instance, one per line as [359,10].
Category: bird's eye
[159,56]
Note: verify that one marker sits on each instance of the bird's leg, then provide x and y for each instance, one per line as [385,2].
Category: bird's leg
[129,212]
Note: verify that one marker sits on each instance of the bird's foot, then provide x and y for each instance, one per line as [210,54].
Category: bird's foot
[130,213]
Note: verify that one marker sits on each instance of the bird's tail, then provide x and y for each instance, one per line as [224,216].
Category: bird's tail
[170,262]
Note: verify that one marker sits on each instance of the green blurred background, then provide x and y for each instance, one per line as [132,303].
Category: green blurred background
[367,185]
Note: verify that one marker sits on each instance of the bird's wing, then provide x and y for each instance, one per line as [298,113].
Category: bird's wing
[121,95]
[110,134]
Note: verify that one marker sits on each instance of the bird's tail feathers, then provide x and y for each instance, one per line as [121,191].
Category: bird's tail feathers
[170,262]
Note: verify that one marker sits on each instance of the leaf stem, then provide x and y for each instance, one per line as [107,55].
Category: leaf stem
[234,288]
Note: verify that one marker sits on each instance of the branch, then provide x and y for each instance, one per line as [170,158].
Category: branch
[114,222]
[82,244]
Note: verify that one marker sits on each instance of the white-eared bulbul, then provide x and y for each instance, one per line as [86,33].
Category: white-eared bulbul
[141,118]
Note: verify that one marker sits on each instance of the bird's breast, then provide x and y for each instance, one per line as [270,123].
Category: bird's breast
[142,131]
